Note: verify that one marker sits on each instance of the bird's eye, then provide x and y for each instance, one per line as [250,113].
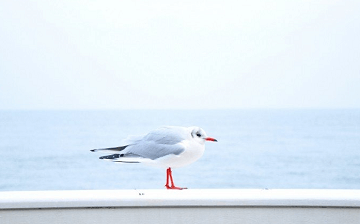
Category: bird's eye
[198,134]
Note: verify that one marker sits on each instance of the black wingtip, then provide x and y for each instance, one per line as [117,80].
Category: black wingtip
[113,156]
[120,148]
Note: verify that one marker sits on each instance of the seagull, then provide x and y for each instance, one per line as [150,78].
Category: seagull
[166,147]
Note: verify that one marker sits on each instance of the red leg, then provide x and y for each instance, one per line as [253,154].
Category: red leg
[167,179]
[169,176]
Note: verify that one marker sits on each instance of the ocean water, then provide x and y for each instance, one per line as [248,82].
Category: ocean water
[50,150]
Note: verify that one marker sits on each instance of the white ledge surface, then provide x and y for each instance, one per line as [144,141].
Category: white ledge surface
[196,197]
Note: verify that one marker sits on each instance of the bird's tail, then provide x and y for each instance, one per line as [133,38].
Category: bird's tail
[123,158]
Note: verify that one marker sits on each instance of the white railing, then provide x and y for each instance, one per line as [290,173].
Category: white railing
[186,206]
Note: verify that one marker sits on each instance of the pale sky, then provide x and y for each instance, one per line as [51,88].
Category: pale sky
[179,54]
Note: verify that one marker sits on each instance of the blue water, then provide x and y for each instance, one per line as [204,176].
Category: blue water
[49,150]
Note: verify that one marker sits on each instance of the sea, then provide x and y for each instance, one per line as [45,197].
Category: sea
[256,148]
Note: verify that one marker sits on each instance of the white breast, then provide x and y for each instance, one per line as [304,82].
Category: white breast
[193,151]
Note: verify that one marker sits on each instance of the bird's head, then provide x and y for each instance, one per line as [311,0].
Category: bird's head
[200,135]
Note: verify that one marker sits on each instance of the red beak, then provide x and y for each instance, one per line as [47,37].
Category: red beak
[210,139]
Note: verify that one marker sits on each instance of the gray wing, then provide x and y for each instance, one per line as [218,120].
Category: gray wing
[160,142]
[153,150]
[169,135]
